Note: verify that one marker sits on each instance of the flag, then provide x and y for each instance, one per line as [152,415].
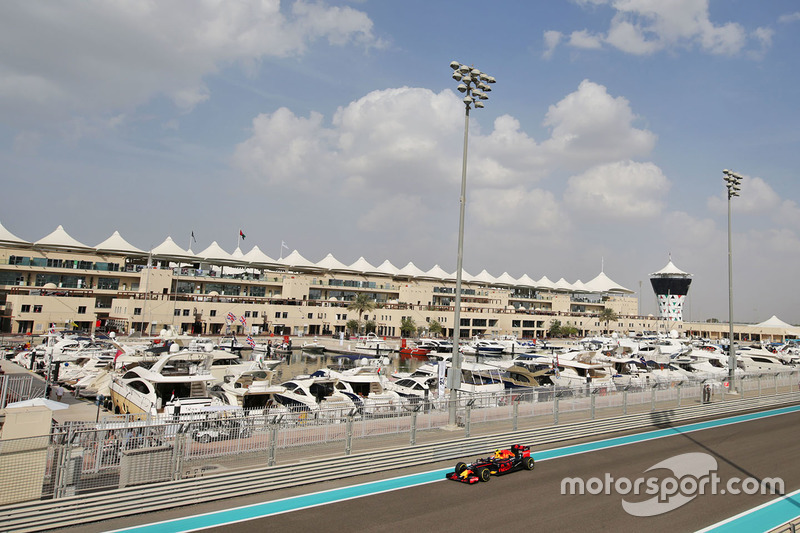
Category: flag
[119,352]
[251,342]
[53,328]
[557,365]
[195,240]
[243,320]
[283,245]
[231,317]
[73,324]
[241,234]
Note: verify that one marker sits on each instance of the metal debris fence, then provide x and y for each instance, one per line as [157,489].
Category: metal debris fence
[80,458]
[19,387]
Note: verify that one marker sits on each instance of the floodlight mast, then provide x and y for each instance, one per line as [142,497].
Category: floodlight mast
[474,84]
[732,183]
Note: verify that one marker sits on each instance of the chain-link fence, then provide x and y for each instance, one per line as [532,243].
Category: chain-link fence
[83,457]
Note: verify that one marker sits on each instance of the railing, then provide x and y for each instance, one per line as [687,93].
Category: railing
[19,387]
[164,466]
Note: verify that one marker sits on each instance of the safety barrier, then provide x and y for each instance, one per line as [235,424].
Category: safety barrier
[75,510]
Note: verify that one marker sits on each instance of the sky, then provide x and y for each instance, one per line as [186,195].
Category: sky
[336,127]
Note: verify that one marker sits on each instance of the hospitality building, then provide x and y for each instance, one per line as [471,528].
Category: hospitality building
[117,286]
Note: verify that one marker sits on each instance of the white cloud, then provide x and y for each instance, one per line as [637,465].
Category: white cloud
[527,210]
[584,39]
[67,58]
[789,17]
[644,27]
[413,136]
[620,190]
[551,40]
[756,197]
[589,126]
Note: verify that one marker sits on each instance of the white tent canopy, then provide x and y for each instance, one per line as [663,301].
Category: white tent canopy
[365,267]
[60,239]
[602,283]
[257,257]
[8,237]
[169,250]
[115,243]
[388,268]
[331,263]
[774,322]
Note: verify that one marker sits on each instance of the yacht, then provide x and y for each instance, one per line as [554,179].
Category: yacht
[373,345]
[177,382]
[250,389]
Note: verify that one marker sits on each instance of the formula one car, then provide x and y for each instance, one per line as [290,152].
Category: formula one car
[501,462]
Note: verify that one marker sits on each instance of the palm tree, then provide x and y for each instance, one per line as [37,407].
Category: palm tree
[608,315]
[407,327]
[352,325]
[361,304]
[435,328]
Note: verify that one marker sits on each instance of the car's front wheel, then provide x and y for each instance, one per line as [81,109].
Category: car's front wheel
[460,467]
[528,463]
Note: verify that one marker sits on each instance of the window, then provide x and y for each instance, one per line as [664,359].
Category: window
[108,283]
[277,314]
[247,314]
[176,312]
[213,312]
[37,308]
[26,308]
[185,312]
[137,310]
[255,314]
[81,309]
[310,315]
[285,314]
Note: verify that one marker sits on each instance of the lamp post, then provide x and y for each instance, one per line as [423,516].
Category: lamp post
[474,85]
[732,182]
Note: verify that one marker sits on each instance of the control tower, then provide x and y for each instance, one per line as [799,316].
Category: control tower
[671,286]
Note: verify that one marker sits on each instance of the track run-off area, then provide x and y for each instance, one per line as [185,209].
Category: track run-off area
[750,448]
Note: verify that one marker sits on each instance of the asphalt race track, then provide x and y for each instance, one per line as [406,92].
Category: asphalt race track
[524,501]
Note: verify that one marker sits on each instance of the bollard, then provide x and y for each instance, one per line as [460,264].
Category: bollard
[467,412]
[177,455]
[652,399]
[515,407]
[273,443]
[679,394]
[591,401]
[555,409]
[349,442]
[414,426]
[759,385]
[776,383]
[625,402]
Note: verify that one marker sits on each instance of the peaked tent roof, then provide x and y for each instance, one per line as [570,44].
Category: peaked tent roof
[436,272]
[238,255]
[215,254]
[670,270]
[563,285]
[774,322]
[116,243]
[412,271]
[8,237]
[545,283]
[580,286]
[169,250]
[465,276]
[602,283]
[257,257]
[60,239]
[506,279]
[331,263]
[526,281]
[388,268]
[295,260]
[485,277]
[365,267]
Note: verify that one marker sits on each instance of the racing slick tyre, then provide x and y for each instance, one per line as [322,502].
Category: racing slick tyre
[460,467]
[205,438]
[528,463]
[484,474]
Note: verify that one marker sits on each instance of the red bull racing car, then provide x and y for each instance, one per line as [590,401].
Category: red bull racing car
[501,462]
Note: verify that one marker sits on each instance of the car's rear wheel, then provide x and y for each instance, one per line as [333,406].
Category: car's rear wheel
[484,474]
[460,467]
[528,463]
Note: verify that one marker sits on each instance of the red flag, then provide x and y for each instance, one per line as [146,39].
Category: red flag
[119,352]
[241,234]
